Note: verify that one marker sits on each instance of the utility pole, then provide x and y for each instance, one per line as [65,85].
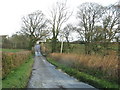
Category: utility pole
[61,50]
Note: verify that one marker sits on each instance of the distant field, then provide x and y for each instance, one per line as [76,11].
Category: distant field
[77,48]
[11,50]
[80,48]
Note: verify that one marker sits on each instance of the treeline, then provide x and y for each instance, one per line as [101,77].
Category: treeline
[16,41]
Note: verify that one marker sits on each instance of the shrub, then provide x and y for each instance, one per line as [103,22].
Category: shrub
[12,60]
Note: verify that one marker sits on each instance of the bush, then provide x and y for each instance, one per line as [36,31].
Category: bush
[12,60]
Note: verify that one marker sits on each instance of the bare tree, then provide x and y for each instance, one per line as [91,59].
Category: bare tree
[66,31]
[98,25]
[34,26]
[89,15]
[59,15]
[110,23]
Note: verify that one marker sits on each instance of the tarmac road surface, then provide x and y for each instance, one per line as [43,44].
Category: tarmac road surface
[45,75]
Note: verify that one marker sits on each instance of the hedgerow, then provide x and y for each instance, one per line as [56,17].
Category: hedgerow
[12,60]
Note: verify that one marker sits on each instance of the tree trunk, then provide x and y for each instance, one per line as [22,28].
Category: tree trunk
[68,44]
[54,42]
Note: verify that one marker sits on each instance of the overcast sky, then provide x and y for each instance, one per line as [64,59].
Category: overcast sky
[11,11]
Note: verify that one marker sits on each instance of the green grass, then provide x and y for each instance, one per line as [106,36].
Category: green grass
[84,77]
[78,48]
[114,46]
[18,78]
[11,50]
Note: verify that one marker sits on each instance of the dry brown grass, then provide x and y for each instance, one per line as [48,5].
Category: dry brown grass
[106,64]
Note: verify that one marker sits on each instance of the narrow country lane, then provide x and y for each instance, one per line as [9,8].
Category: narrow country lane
[44,75]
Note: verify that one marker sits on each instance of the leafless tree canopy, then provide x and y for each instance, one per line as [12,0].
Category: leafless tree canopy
[89,14]
[110,22]
[67,30]
[97,24]
[35,26]
[59,15]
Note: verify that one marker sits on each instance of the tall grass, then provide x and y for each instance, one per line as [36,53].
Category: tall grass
[85,77]
[101,66]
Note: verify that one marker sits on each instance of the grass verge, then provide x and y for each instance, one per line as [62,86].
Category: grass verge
[94,81]
[18,78]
